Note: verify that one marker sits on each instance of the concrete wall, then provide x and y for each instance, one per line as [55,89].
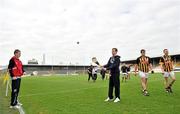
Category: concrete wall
[55,69]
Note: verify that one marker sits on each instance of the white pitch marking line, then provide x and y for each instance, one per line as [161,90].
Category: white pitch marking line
[21,110]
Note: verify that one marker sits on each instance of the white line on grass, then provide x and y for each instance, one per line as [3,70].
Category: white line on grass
[21,110]
[66,91]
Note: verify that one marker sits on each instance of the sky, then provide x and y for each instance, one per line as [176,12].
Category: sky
[53,28]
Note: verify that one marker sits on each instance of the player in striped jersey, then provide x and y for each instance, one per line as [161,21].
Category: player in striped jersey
[143,66]
[166,64]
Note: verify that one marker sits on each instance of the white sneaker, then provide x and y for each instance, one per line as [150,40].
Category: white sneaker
[19,104]
[16,107]
[116,100]
[108,99]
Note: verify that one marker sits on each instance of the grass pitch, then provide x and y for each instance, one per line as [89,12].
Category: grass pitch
[75,95]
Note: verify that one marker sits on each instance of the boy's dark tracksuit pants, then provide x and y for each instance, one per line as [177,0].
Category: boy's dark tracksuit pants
[15,91]
[114,82]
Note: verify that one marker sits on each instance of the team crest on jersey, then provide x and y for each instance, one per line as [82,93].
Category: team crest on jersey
[112,60]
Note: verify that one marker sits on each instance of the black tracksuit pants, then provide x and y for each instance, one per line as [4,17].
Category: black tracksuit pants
[114,82]
[89,76]
[94,77]
[15,91]
[103,74]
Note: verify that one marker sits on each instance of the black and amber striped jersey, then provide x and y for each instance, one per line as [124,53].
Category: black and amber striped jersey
[167,63]
[143,63]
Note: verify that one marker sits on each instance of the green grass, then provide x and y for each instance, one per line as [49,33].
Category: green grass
[74,95]
[4,101]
